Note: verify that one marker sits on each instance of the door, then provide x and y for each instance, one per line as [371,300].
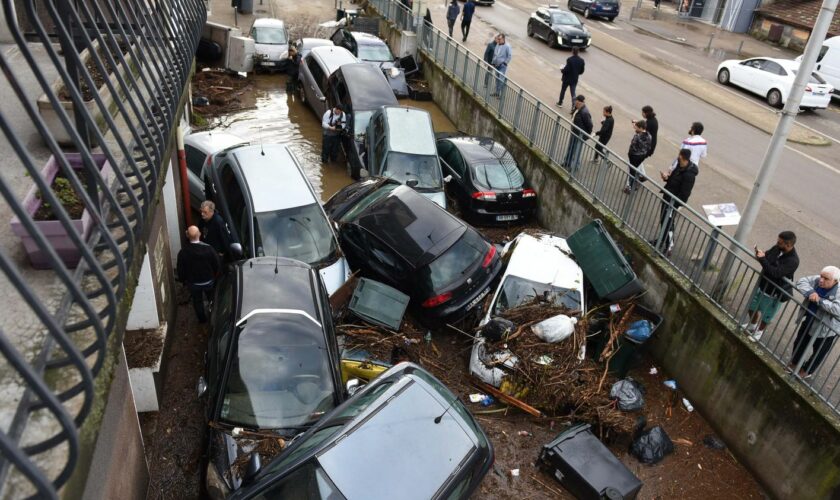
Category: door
[745,74]
[772,76]
[453,165]
[828,65]
[240,55]
[543,23]
[313,85]
[195,164]
[343,38]
[235,210]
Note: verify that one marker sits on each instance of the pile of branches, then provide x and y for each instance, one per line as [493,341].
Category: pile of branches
[553,378]
[223,91]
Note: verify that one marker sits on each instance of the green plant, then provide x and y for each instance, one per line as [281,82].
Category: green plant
[67,196]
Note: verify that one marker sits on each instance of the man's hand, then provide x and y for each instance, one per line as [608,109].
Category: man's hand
[759,254]
[663,175]
[814,297]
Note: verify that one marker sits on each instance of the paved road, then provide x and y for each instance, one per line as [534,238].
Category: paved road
[802,196]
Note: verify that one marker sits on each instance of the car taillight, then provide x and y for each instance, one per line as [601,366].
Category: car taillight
[528,193]
[437,300]
[489,257]
[808,89]
[484,195]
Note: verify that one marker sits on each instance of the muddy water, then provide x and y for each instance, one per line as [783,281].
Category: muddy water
[273,115]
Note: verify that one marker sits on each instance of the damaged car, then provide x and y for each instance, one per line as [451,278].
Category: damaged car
[541,268]
[272,365]
[404,435]
[373,50]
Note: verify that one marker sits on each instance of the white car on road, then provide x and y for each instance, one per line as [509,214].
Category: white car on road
[773,79]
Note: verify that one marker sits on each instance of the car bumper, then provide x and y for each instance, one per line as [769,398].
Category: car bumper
[455,310]
[569,42]
[484,214]
[815,101]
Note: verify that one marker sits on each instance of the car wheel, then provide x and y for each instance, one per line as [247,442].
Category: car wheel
[552,41]
[611,19]
[530,30]
[587,13]
[571,7]
[723,76]
[774,98]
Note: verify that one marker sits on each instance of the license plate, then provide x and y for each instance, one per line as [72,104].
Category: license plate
[268,63]
[577,40]
[607,8]
[501,218]
[478,299]
[819,92]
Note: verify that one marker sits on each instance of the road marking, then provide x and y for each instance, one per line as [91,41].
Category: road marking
[818,162]
[500,4]
[609,26]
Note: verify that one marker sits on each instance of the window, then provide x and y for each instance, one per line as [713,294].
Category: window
[367,201]
[497,175]
[195,159]
[773,68]
[454,263]
[405,167]
[815,78]
[317,73]
[823,51]
[307,481]
[269,35]
[564,18]
[375,53]
[300,233]
[449,153]
[517,291]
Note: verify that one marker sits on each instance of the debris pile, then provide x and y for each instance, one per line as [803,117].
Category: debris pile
[223,92]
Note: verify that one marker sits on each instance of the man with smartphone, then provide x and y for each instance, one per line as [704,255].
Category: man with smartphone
[774,285]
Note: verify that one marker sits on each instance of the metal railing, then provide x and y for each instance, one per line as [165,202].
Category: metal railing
[123,68]
[715,264]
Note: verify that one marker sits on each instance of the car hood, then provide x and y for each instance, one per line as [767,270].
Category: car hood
[230,454]
[335,274]
[273,52]
[570,31]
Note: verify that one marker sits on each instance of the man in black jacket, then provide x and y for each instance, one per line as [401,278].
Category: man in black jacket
[582,121]
[198,265]
[571,72]
[777,267]
[605,134]
[652,127]
[488,56]
[214,231]
[678,186]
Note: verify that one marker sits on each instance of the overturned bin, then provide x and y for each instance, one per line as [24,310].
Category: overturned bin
[627,351]
[602,262]
[587,468]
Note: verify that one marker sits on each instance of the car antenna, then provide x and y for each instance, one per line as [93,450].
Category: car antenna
[277,259]
[440,417]
[262,151]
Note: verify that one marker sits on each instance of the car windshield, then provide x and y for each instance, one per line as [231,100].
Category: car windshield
[455,262]
[360,123]
[272,36]
[367,201]
[300,233]
[517,291]
[279,376]
[375,53]
[815,78]
[404,167]
[565,18]
[494,175]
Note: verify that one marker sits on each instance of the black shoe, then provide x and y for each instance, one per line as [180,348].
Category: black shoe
[560,103]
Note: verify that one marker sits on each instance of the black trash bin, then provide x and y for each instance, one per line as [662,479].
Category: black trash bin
[246,6]
[587,468]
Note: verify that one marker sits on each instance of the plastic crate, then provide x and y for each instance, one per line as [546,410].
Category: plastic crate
[378,303]
[602,263]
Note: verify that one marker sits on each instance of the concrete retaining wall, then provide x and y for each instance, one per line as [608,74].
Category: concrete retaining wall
[787,440]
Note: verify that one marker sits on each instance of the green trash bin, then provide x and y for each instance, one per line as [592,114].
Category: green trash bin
[629,351]
[602,263]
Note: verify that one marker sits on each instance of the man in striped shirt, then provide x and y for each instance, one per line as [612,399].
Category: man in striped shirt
[694,143]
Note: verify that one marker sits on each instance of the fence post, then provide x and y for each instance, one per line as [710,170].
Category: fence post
[554,137]
[446,55]
[475,79]
[516,110]
[532,132]
[600,176]
[466,60]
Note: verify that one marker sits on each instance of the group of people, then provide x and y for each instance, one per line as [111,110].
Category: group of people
[452,12]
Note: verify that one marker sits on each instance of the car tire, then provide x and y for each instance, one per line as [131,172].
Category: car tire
[571,7]
[552,41]
[587,13]
[611,19]
[723,76]
[530,30]
[774,98]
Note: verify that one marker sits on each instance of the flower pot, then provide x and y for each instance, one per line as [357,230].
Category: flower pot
[53,230]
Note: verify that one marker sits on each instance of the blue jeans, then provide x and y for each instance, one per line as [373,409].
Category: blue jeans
[500,79]
[572,161]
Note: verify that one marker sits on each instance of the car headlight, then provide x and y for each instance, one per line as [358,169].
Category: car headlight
[394,72]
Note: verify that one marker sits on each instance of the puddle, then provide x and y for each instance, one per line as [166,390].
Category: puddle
[271,115]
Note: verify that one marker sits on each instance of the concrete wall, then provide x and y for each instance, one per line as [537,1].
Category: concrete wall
[787,440]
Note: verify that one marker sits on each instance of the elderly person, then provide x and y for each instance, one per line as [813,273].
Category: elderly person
[822,321]
[214,232]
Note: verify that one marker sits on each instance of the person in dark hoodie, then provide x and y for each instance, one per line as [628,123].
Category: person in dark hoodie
[466,18]
[605,133]
[777,267]
[451,15]
[678,186]
[583,127]
[652,127]
[198,265]
[575,65]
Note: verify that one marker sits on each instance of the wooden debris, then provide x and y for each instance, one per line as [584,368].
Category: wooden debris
[501,396]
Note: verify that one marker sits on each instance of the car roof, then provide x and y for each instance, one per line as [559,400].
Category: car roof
[333,57]
[315,42]
[275,180]
[211,142]
[363,38]
[544,259]
[410,130]
[412,225]
[265,22]
[367,87]
[292,287]
[475,149]
[404,420]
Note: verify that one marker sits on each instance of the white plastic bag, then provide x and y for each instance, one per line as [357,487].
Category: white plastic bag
[555,328]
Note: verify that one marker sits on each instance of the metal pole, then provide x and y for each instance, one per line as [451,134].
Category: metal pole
[777,142]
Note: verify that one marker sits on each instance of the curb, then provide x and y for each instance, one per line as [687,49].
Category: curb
[707,91]
[661,36]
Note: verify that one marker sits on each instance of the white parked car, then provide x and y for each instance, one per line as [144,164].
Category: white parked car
[271,43]
[540,265]
[773,79]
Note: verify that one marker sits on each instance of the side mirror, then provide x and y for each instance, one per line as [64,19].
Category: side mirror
[447,179]
[236,250]
[254,466]
[201,386]
[364,173]
[322,99]
[353,386]
[412,183]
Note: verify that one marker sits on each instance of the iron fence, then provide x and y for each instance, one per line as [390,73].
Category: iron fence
[123,68]
[715,264]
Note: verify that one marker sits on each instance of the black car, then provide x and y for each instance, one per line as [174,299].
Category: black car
[272,365]
[360,89]
[486,182]
[608,9]
[395,235]
[560,28]
[403,436]
[374,51]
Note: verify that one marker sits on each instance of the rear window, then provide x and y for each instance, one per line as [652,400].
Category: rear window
[497,175]
[455,262]
[375,53]
[367,201]
[815,78]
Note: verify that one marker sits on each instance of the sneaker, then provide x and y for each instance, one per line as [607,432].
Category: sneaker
[749,327]
[756,335]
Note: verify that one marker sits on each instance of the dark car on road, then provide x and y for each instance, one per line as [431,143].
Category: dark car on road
[403,436]
[560,28]
[608,9]
[374,51]
[272,364]
[395,235]
[486,183]
[360,89]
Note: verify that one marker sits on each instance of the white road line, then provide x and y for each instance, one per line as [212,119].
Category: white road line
[818,162]
[609,26]
[500,4]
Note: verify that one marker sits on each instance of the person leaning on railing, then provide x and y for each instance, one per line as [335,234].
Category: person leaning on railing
[819,319]
[777,267]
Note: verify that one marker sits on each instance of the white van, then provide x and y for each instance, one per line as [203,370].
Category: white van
[828,63]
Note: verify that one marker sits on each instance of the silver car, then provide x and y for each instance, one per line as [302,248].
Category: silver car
[316,69]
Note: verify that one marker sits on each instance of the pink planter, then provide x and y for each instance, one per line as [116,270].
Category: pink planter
[52,230]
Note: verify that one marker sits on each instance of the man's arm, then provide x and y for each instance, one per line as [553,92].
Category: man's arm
[325,121]
[779,268]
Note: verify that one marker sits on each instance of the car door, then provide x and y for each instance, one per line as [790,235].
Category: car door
[195,163]
[344,38]
[452,165]
[221,324]
[543,23]
[313,85]
[773,76]
[749,74]
[234,207]
[376,144]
